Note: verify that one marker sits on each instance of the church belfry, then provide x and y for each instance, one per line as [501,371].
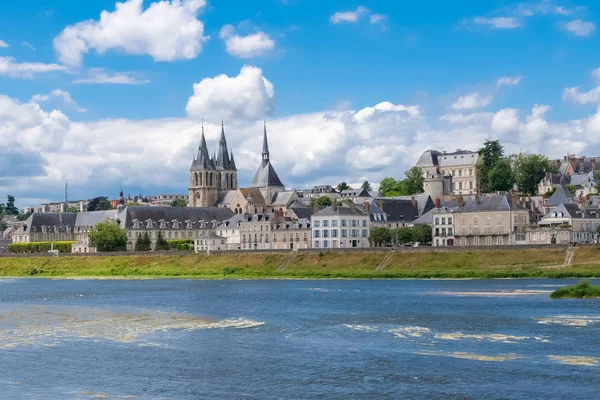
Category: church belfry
[210,175]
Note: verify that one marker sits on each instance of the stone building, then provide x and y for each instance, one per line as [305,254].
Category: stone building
[340,227]
[580,221]
[459,165]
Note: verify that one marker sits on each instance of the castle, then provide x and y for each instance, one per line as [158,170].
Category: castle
[214,183]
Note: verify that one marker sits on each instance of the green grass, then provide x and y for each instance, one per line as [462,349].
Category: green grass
[527,263]
[582,290]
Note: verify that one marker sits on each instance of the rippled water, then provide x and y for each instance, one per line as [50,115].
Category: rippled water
[187,339]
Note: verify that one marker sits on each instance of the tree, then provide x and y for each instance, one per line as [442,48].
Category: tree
[108,236]
[422,234]
[500,177]
[3,226]
[403,235]
[142,243]
[367,186]
[380,236]
[387,187]
[323,201]
[161,243]
[343,186]
[99,204]
[490,154]
[72,209]
[414,181]
[572,189]
[179,203]
[24,216]
[529,169]
[10,206]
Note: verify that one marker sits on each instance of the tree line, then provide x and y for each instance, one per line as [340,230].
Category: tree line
[401,236]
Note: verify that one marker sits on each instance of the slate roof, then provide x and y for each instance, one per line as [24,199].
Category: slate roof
[232,222]
[304,212]
[424,202]
[561,195]
[399,210]
[225,196]
[355,193]
[202,159]
[329,211]
[266,176]
[35,222]
[223,161]
[434,158]
[282,198]
[288,224]
[487,203]
[257,197]
[427,218]
[181,214]
[91,218]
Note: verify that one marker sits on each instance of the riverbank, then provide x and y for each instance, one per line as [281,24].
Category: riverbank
[494,263]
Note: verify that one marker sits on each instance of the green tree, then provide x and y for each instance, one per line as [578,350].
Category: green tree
[389,187]
[72,209]
[161,243]
[179,203]
[10,206]
[142,243]
[500,177]
[380,236]
[367,186]
[491,152]
[343,186]
[323,201]
[403,235]
[24,216]
[3,226]
[529,169]
[572,189]
[422,234]
[108,236]
[99,204]
[414,181]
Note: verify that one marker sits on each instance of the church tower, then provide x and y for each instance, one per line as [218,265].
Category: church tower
[210,175]
[266,179]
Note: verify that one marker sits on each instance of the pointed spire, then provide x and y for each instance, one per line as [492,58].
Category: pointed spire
[222,160]
[232,162]
[265,151]
[202,160]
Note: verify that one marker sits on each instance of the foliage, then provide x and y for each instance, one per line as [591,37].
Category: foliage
[579,291]
[491,153]
[343,186]
[414,181]
[72,209]
[403,235]
[99,204]
[529,169]
[175,243]
[598,229]
[572,189]
[500,176]
[380,236]
[10,208]
[3,225]
[161,243]
[422,234]
[143,243]
[179,203]
[40,247]
[367,186]
[323,201]
[24,216]
[108,236]
[549,194]
[133,204]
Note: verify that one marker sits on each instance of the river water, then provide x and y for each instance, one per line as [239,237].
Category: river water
[270,339]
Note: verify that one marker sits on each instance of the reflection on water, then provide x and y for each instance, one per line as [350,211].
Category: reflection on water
[188,339]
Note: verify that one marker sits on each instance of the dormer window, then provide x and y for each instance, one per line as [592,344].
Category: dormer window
[163,224]
[149,224]
[188,224]
[136,224]
[175,224]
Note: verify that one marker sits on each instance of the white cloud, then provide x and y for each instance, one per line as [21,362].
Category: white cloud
[28,45]
[244,97]
[460,118]
[100,76]
[9,67]
[505,121]
[509,81]
[57,93]
[579,27]
[167,30]
[574,94]
[498,22]
[377,18]
[349,16]
[596,74]
[252,45]
[3,44]
[472,101]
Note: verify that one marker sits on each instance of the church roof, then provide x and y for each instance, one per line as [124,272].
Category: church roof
[202,160]
[265,175]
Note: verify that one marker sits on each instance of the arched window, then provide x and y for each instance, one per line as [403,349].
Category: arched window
[218,179]
[200,178]
[210,179]
[197,182]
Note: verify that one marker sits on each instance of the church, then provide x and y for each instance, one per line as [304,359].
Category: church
[214,183]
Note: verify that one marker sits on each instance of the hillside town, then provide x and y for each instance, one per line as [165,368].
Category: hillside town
[449,198]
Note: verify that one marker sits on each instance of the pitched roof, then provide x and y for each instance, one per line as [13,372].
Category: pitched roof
[424,201]
[266,177]
[427,218]
[397,209]
[486,203]
[561,195]
[282,198]
[361,192]
[181,214]
[202,159]
[329,211]
[91,218]
[35,222]
[304,212]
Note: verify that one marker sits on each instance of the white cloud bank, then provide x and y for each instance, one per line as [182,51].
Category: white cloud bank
[353,17]
[472,101]
[253,45]
[98,76]
[167,30]
[57,93]
[10,67]
[579,27]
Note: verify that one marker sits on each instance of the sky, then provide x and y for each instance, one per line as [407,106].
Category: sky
[107,94]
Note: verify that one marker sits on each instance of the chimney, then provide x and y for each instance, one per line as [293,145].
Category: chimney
[413,199]
[460,201]
[477,199]
[334,206]
[380,204]
[593,161]
[547,177]
[367,207]
[316,208]
[581,202]
[582,164]
[438,202]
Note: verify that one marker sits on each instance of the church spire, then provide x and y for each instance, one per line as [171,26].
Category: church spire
[265,151]
[232,161]
[222,160]
[202,160]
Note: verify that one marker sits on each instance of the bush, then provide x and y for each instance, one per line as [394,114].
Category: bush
[175,243]
[579,291]
[161,243]
[184,247]
[39,247]
[108,236]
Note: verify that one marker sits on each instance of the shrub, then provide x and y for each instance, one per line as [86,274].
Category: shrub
[184,247]
[579,291]
[175,243]
[40,247]
[108,236]
[161,243]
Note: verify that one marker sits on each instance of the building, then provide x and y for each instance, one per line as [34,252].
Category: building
[571,164]
[58,207]
[208,241]
[340,227]
[460,165]
[168,199]
[318,191]
[291,235]
[230,230]
[392,213]
[582,223]
[584,183]
[485,221]
[357,196]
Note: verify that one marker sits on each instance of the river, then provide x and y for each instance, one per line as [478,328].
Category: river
[285,339]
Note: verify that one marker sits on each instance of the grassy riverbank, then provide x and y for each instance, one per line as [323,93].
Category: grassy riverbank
[580,291]
[526,263]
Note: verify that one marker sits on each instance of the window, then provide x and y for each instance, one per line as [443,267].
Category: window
[317,223]
[325,244]
[488,240]
[499,240]
[343,222]
[354,232]
[437,221]
[476,241]
[475,221]
[365,233]
[316,244]
[443,231]
[304,235]
[344,233]
[463,241]
[317,234]
[334,233]
[325,223]
[449,231]
[449,220]
[285,236]
[325,233]
[460,185]
[471,185]
[364,222]
[334,222]
[460,172]
[437,231]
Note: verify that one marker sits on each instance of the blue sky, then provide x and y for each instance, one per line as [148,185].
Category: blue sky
[445,74]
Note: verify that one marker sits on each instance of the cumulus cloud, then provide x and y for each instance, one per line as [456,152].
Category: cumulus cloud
[244,97]
[97,76]
[167,30]
[3,44]
[498,22]
[377,18]
[508,81]
[472,101]
[9,67]
[57,93]
[252,45]
[575,94]
[349,16]
[579,27]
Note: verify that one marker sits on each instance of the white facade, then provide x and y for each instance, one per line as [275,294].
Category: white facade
[343,228]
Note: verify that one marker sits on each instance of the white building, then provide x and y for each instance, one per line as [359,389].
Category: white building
[209,241]
[340,227]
